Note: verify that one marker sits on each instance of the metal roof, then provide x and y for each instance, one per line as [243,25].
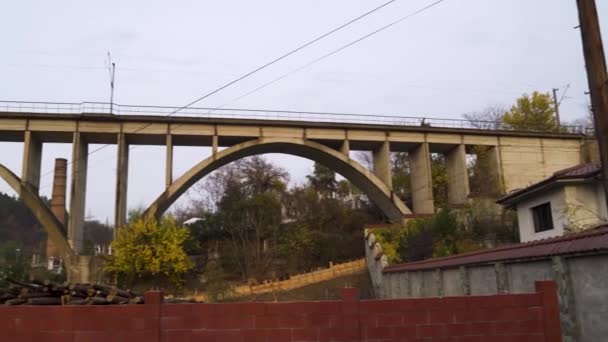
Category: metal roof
[595,240]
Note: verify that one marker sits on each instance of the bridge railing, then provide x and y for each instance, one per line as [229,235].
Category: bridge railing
[257,114]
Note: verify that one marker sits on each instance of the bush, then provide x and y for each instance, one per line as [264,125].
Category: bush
[438,236]
[217,286]
[152,251]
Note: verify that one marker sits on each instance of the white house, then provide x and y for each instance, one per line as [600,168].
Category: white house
[571,200]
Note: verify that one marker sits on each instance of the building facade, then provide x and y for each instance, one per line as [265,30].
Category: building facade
[571,200]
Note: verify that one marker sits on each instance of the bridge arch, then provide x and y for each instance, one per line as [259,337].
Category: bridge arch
[41,211]
[394,209]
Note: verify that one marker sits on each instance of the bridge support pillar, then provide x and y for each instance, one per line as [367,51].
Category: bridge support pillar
[122,177]
[345,148]
[169,161]
[32,158]
[421,180]
[495,163]
[458,177]
[214,144]
[382,164]
[80,151]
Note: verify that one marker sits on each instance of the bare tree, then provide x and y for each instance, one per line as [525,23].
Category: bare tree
[366,159]
[585,123]
[488,118]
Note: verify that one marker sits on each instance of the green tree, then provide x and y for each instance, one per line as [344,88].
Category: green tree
[323,179]
[261,229]
[483,180]
[14,263]
[439,175]
[532,112]
[96,233]
[248,206]
[216,283]
[401,175]
[18,224]
[150,251]
[135,214]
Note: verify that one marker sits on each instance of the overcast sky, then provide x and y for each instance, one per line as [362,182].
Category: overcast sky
[460,56]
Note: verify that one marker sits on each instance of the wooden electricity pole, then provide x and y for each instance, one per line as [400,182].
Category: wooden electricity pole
[597,76]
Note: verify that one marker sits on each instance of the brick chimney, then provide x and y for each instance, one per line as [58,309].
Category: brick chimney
[58,202]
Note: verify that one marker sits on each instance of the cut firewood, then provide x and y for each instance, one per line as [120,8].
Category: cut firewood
[117,299]
[44,301]
[16,301]
[136,300]
[46,292]
[35,295]
[97,301]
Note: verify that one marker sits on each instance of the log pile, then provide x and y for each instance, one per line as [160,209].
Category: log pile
[50,293]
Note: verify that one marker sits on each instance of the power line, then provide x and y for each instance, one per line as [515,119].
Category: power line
[284,56]
[262,67]
[335,51]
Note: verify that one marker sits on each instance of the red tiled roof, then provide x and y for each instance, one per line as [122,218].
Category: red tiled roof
[581,171]
[590,241]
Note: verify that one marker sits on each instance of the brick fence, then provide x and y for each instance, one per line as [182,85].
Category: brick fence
[520,317]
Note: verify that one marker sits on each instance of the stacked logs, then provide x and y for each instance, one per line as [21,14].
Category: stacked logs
[50,293]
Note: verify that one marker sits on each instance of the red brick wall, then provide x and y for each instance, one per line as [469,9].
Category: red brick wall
[521,318]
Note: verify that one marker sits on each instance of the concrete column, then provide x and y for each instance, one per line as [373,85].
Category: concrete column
[502,282]
[122,178]
[58,203]
[32,158]
[438,279]
[567,305]
[408,285]
[80,151]
[214,144]
[382,164]
[495,164]
[169,161]
[458,177]
[421,180]
[345,148]
[465,281]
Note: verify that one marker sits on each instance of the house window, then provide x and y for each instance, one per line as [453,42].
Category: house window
[543,220]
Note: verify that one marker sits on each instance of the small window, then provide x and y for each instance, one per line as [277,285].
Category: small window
[543,220]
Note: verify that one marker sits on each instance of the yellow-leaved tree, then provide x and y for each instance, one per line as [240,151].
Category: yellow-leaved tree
[151,252]
[532,112]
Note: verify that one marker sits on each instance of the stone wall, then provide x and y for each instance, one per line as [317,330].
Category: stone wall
[582,285]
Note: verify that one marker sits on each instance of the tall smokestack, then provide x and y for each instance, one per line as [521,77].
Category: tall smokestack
[58,202]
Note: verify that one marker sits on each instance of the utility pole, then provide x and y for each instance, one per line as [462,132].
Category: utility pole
[111,71]
[556,103]
[597,76]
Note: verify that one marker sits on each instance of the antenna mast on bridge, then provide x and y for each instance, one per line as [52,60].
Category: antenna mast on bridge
[111,70]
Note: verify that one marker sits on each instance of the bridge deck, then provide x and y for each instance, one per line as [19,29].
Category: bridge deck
[197,131]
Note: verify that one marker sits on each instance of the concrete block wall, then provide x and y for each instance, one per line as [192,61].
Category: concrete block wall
[525,317]
[582,282]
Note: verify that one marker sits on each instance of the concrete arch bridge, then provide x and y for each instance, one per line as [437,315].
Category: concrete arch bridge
[517,158]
